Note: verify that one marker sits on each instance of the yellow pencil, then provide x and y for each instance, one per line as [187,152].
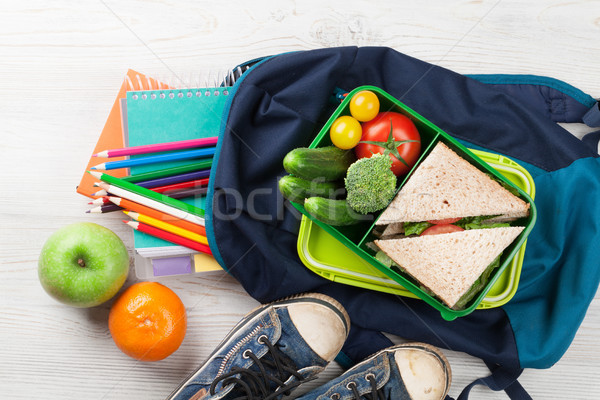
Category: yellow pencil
[167,227]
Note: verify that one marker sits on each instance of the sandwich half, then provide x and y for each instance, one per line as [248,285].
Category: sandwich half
[446,186]
[453,266]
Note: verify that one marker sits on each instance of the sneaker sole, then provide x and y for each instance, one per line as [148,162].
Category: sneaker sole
[319,298]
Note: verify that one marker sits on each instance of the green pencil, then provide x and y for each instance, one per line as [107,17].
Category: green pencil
[118,182]
[182,169]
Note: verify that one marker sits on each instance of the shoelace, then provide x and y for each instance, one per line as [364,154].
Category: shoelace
[256,385]
[375,394]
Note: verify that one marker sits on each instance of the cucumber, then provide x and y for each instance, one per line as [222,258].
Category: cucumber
[297,189]
[332,212]
[325,163]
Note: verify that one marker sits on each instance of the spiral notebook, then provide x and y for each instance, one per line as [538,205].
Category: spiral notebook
[157,116]
[112,134]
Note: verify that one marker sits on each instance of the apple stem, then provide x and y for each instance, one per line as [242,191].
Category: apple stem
[81,263]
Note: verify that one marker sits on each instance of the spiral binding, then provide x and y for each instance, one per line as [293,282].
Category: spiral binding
[189,89]
[180,93]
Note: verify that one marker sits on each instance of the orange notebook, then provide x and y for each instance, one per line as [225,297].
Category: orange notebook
[112,134]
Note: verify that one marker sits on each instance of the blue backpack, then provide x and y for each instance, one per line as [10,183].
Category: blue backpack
[281,102]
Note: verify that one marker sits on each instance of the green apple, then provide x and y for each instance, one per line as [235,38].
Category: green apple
[83,264]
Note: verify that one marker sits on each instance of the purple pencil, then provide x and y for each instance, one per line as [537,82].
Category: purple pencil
[104,209]
[169,180]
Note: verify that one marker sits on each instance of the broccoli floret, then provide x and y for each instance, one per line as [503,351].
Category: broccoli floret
[370,184]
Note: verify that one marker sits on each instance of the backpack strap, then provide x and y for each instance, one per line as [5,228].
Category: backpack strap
[502,378]
[556,99]
[592,118]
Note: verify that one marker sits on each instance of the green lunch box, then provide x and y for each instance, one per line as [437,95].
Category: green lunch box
[340,253]
[323,254]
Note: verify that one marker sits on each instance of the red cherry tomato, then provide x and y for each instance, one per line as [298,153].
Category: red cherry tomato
[378,130]
[444,221]
[442,228]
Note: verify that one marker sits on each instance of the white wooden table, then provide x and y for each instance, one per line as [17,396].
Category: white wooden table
[61,64]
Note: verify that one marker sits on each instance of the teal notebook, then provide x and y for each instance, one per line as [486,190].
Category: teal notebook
[169,115]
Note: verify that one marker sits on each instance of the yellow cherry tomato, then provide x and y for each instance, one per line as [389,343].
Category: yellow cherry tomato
[345,132]
[364,105]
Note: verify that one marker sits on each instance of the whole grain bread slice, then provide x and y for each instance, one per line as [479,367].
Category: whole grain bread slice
[448,264]
[444,186]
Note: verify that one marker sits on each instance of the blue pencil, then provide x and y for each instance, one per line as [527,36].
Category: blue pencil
[180,155]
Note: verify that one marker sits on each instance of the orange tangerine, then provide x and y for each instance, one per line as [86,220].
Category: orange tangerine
[148,321]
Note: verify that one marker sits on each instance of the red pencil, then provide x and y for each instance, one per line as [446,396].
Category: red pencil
[182,185]
[168,236]
[183,193]
[100,201]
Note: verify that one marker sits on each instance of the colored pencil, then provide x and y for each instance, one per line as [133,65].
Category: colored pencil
[102,192]
[168,180]
[139,208]
[181,185]
[168,236]
[133,189]
[165,226]
[106,208]
[100,201]
[156,205]
[181,155]
[155,148]
[103,208]
[161,173]
[173,193]
[183,193]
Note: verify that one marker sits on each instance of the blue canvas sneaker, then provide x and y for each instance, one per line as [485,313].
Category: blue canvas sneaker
[413,371]
[271,351]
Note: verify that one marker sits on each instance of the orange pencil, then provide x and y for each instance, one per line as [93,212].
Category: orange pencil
[137,207]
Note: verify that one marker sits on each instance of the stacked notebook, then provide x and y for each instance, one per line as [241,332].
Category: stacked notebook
[148,112]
